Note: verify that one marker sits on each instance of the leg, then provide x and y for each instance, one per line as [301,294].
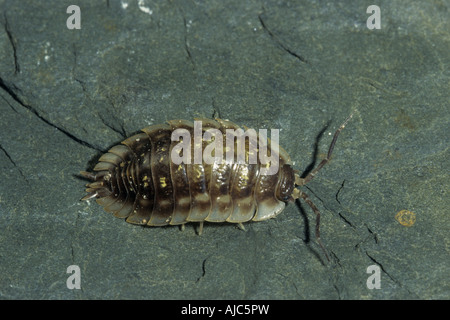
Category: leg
[299,181]
[241,226]
[200,229]
[88,175]
[305,197]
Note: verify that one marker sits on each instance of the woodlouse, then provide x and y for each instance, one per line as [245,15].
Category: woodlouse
[138,181]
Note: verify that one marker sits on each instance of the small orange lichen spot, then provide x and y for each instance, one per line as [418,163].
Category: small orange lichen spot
[406,218]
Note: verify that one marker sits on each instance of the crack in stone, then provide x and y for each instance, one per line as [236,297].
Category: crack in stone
[13,42]
[278,41]
[397,282]
[373,234]
[216,109]
[346,220]
[74,76]
[336,258]
[383,269]
[203,269]
[14,163]
[11,88]
[9,104]
[339,190]
[186,43]
[120,131]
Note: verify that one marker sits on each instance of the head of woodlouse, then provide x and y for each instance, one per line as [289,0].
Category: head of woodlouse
[286,183]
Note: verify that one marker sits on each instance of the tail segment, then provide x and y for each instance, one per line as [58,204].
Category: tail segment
[96,189]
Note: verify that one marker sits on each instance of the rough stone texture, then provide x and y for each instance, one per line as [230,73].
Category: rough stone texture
[66,96]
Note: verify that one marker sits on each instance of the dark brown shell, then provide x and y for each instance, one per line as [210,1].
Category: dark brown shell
[137,180]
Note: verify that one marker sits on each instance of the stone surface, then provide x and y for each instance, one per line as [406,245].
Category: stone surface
[66,96]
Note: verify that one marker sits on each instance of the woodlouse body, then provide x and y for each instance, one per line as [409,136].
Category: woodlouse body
[137,180]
